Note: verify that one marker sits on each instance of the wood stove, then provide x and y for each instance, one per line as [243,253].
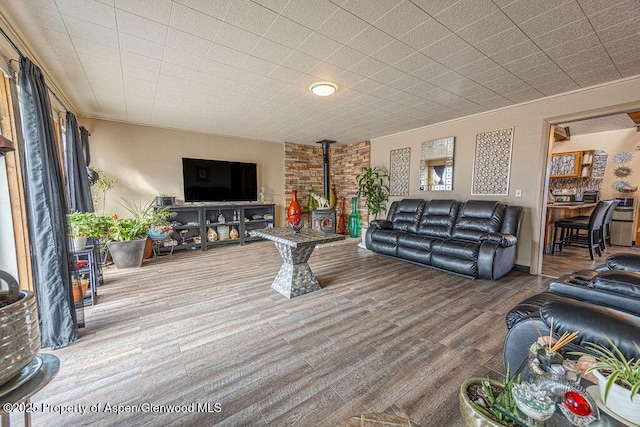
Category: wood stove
[325,219]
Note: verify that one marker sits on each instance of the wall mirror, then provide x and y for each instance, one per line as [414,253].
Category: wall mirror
[436,165]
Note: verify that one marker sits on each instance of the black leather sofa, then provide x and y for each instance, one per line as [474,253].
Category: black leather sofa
[476,238]
[595,303]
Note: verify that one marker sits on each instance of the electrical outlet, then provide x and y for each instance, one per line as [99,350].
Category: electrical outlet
[518,193]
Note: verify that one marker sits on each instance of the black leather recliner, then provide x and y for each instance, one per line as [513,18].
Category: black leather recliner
[594,303]
[476,238]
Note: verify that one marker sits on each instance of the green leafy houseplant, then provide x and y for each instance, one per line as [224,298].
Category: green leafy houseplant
[478,395]
[143,217]
[103,184]
[88,224]
[373,185]
[612,364]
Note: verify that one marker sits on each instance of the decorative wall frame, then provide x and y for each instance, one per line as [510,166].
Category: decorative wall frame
[492,162]
[399,172]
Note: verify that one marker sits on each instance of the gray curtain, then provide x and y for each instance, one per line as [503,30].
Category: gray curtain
[76,168]
[46,211]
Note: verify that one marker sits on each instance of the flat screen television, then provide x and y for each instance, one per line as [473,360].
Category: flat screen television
[219,181]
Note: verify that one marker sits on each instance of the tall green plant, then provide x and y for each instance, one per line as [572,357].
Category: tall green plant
[373,185]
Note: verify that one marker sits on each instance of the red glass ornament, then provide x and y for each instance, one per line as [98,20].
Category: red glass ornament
[294,205]
[576,403]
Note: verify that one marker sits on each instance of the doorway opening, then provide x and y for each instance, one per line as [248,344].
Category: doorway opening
[590,157]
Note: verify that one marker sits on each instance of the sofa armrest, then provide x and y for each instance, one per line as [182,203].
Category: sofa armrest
[381,224]
[592,323]
[503,240]
[624,261]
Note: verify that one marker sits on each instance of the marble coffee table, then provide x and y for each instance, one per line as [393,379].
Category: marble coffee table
[295,277]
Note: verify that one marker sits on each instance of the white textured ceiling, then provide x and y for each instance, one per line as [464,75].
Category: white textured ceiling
[243,68]
[600,124]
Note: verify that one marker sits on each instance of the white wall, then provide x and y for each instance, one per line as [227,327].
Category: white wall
[529,156]
[612,142]
[147,161]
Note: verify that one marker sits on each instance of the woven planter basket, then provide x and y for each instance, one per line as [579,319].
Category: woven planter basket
[19,335]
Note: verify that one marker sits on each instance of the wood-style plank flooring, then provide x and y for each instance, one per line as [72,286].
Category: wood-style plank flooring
[573,258]
[205,327]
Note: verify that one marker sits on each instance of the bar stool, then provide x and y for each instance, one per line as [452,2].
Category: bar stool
[570,231]
[606,222]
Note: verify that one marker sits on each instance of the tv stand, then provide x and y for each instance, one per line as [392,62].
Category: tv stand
[197,219]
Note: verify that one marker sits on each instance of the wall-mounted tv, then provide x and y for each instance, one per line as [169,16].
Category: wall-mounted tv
[219,181]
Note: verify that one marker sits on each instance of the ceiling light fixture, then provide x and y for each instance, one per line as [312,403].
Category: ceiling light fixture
[323,88]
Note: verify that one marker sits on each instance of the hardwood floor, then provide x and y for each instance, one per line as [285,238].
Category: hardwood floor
[381,336]
[573,258]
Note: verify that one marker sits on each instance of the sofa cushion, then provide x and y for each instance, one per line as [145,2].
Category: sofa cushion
[407,214]
[416,255]
[593,323]
[385,236]
[438,218]
[477,218]
[415,241]
[456,249]
[465,267]
[384,241]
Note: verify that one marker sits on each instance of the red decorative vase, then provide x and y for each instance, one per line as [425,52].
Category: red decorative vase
[294,205]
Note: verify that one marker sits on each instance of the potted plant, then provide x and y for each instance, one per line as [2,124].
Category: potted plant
[477,397]
[618,379]
[127,237]
[83,225]
[103,184]
[80,224]
[373,185]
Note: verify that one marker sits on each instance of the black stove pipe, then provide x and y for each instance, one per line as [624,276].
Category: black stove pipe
[325,159]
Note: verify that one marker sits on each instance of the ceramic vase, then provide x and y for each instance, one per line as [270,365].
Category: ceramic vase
[294,205]
[212,236]
[332,198]
[312,205]
[233,234]
[354,219]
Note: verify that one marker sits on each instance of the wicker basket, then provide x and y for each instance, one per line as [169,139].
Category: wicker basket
[19,335]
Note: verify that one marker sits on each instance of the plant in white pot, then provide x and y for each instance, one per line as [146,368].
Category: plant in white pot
[618,379]
[80,227]
[83,225]
[373,185]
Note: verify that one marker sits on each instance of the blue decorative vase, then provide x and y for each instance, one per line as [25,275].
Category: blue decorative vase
[354,219]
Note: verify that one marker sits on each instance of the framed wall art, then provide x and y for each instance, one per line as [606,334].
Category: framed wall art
[399,172]
[492,162]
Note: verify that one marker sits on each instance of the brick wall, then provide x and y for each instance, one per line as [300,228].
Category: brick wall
[303,170]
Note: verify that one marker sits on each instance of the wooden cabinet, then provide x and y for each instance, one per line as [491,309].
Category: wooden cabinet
[572,164]
[196,221]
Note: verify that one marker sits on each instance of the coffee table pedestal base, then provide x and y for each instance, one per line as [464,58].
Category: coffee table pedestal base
[295,277]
